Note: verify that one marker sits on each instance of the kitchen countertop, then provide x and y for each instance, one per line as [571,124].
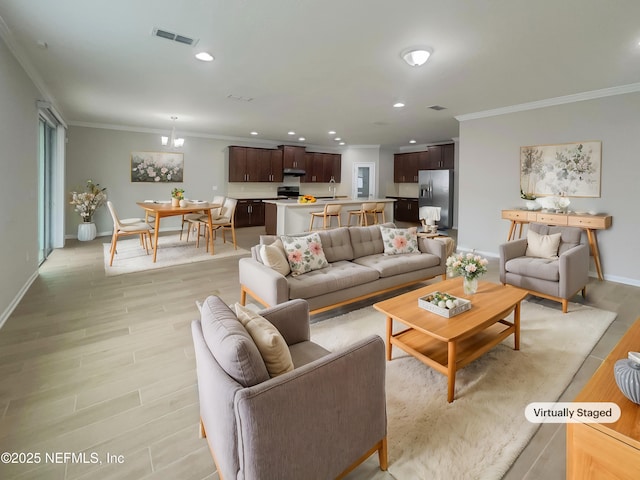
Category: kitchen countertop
[322,201]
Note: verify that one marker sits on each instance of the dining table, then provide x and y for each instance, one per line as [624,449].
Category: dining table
[160,209]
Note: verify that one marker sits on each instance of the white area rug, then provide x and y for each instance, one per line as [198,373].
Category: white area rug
[482,432]
[132,257]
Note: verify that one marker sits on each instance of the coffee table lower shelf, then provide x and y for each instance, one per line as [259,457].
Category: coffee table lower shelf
[449,357]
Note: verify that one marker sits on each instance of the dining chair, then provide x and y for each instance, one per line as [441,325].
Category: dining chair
[330,210]
[224,221]
[217,200]
[366,209]
[379,211]
[121,229]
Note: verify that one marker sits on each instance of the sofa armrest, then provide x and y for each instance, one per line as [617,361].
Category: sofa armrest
[574,270]
[291,319]
[508,251]
[434,247]
[265,282]
[332,408]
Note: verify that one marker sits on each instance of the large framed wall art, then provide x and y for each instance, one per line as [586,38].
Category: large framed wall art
[567,169]
[157,167]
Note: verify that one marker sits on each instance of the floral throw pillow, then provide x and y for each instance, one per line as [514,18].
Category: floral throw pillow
[304,253]
[399,240]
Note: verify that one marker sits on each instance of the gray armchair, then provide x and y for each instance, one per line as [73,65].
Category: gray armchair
[318,421]
[558,278]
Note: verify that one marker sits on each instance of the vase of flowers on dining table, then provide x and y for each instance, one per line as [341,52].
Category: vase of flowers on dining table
[177,194]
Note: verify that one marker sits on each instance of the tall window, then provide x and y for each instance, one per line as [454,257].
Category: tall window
[46,146]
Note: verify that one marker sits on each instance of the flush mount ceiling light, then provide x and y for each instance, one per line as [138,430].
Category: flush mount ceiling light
[302,139]
[204,57]
[171,140]
[416,56]
[291,132]
[412,141]
[332,132]
[398,105]
[254,133]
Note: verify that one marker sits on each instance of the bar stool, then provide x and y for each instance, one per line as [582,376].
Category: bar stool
[379,211]
[368,208]
[330,210]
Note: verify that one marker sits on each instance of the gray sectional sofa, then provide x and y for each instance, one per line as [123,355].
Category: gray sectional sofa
[358,269]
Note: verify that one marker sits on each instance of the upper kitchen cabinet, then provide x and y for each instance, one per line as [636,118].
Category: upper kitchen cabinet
[292,156]
[322,167]
[441,157]
[405,167]
[248,164]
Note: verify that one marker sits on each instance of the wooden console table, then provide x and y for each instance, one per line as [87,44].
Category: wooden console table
[590,223]
[607,450]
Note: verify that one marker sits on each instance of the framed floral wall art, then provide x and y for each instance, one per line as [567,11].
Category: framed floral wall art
[157,167]
[568,169]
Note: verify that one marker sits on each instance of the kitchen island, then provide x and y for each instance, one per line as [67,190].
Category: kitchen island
[284,217]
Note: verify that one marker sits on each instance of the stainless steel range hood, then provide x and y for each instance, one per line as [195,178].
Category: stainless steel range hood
[293,172]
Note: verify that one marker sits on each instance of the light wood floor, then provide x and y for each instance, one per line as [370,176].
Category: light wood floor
[90,363]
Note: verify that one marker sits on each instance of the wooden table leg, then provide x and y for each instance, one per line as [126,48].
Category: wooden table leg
[516,324]
[451,371]
[389,329]
[511,230]
[595,252]
[210,227]
[155,236]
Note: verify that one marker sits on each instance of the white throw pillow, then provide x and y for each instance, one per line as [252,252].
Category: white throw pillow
[543,246]
[399,240]
[304,253]
[273,256]
[270,342]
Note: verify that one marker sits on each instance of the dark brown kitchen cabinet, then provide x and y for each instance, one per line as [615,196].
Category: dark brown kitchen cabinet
[406,210]
[249,213]
[405,167]
[441,157]
[321,167]
[292,156]
[248,164]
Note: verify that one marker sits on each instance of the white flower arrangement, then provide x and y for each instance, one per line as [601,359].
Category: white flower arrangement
[468,265]
[88,201]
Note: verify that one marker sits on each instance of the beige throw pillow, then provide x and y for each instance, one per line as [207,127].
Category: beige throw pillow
[271,344]
[273,256]
[543,246]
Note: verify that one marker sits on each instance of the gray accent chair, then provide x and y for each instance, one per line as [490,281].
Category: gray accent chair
[557,278]
[318,421]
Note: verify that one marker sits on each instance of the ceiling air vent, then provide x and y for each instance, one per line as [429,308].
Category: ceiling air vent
[158,32]
[437,107]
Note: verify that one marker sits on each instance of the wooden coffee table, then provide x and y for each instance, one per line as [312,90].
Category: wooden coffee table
[448,344]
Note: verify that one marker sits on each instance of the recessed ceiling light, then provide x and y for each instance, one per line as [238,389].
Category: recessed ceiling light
[302,139]
[332,132]
[416,56]
[291,132]
[398,105]
[204,57]
[412,141]
[341,143]
[337,139]
[254,133]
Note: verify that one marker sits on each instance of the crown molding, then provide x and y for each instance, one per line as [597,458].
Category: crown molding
[550,102]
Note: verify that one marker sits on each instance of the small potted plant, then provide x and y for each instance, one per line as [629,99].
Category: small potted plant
[177,194]
[86,201]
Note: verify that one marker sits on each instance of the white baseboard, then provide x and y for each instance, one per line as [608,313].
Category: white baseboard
[16,300]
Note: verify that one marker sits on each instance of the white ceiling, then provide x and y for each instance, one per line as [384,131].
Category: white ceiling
[318,65]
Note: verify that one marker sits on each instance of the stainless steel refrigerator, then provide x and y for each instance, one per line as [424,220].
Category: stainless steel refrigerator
[436,190]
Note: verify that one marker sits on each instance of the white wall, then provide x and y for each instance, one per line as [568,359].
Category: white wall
[18,182]
[489,171]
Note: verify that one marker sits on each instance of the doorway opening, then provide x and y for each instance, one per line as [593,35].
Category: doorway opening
[364,180]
